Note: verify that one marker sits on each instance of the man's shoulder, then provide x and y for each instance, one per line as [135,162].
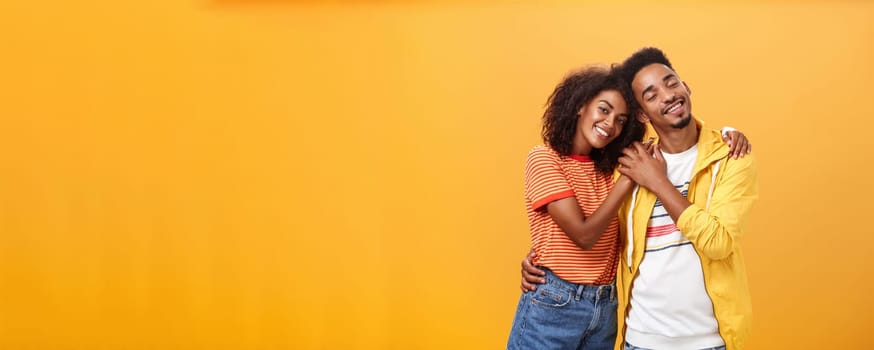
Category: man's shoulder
[747,161]
[710,135]
[711,144]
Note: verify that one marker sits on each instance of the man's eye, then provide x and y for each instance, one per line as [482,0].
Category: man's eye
[603,110]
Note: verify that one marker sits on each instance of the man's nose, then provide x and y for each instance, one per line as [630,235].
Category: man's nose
[670,97]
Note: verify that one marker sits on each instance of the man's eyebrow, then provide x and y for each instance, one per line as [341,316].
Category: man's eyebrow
[651,87]
[648,89]
[608,103]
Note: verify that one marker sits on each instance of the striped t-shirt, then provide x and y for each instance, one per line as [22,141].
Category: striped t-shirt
[550,177]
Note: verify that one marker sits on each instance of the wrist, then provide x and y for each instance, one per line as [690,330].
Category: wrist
[624,187]
[623,180]
[660,185]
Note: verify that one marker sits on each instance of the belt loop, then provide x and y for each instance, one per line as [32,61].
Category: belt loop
[580,288]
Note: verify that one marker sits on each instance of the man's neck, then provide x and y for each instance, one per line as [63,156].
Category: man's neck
[678,140]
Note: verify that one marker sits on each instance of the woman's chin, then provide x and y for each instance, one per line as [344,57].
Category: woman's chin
[600,145]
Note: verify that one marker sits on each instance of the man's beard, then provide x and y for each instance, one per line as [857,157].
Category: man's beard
[682,123]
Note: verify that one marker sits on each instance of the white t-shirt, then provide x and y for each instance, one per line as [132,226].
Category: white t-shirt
[670,308]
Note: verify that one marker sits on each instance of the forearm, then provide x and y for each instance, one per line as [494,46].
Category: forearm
[713,236]
[672,200]
[716,224]
[716,232]
[707,233]
[586,232]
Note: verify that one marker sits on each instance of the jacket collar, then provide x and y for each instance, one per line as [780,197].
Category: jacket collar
[711,147]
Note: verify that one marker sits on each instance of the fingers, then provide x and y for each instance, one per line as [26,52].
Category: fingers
[648,147]
[632,153]
[639,147]
[657,153]
[635,150]
[531,275]
[530,269]
[741,145]
[528,278]
[527,287]
[629,151]
[744,149]
[733,144]
[625,163]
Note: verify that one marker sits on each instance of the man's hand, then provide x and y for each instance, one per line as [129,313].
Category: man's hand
[738,144]
[531,275]
[645,167]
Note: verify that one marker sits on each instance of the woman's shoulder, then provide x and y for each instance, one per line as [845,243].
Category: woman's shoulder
[543,151]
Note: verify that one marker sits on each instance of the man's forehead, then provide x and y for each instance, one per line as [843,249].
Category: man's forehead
[653,71]
[650,74]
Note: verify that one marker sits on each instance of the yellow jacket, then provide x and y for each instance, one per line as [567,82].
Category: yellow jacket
[722,191]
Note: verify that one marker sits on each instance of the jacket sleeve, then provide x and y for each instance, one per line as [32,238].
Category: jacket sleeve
[717,232]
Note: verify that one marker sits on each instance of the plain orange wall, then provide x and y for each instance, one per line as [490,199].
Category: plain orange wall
[232,175]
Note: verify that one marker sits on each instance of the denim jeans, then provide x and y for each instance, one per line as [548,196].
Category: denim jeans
[632,347]
[564,315]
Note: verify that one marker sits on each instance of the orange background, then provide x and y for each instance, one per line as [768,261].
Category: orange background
[294,175]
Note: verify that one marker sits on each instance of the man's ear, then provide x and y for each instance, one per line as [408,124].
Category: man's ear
[641,117]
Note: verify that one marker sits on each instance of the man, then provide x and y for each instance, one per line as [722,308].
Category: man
[681,279]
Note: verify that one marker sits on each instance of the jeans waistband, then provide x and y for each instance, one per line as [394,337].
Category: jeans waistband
[581,291]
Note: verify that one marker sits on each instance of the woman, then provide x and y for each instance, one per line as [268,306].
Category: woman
[571,201]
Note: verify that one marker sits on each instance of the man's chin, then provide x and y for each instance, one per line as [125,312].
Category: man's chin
[682,123]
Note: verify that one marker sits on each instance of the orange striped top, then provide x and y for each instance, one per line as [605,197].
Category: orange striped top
[550,177]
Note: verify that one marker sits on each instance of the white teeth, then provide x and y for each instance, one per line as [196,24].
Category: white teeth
[674,108]
[601,132]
